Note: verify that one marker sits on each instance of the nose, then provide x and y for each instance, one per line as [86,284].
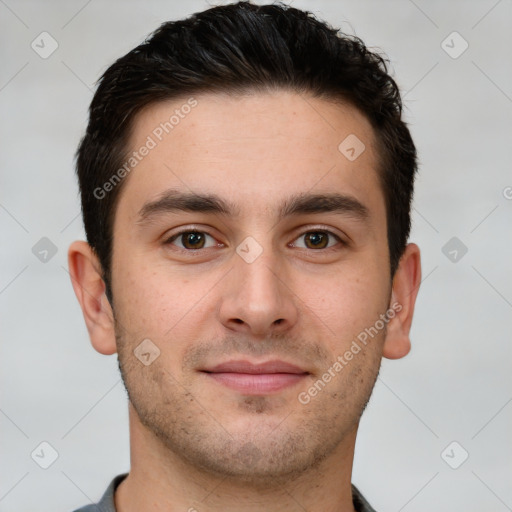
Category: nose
[257,298]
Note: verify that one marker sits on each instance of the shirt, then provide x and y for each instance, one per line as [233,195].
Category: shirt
[106,504]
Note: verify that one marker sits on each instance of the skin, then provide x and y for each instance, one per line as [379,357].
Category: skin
[195,443]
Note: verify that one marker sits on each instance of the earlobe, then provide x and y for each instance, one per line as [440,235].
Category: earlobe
[89,287]
[406,284]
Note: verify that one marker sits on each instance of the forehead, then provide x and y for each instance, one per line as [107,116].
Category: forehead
[255,149]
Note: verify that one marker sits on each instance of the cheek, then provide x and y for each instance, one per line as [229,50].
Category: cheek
[141,296]
[154,300]
[349,303]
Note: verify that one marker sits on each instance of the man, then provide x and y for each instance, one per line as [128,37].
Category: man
[246,183]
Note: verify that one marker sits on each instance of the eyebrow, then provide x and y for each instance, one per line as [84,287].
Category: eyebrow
[175,200]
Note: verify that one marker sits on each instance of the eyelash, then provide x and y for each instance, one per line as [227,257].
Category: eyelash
[171,239]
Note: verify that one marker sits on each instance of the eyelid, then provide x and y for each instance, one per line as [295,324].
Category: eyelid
[303,231]
[189,229]
[322,229]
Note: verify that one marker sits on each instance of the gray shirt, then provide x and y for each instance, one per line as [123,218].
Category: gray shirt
[106,504]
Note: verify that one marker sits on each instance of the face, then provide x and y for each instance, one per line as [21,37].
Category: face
[250,252]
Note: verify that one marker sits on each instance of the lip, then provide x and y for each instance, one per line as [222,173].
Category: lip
[256,379]
[243,366]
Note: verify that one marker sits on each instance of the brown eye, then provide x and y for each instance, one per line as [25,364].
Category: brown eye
[193,240]
[318,239]
[190,240]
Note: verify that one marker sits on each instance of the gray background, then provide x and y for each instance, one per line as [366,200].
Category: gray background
[456,384]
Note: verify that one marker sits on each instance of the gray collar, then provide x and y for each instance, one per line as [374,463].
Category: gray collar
[106,504]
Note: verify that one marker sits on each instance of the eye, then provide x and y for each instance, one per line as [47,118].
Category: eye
[191,240]
[318,239]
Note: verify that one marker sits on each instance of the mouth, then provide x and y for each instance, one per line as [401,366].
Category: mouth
[256,379]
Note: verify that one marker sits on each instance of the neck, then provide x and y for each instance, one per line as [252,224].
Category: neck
[160,480]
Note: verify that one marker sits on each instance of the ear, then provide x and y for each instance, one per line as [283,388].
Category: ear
[86,277]
[406,283]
